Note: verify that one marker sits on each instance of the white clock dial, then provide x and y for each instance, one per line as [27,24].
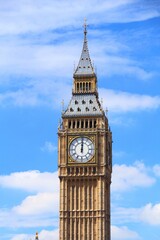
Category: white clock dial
[81,149]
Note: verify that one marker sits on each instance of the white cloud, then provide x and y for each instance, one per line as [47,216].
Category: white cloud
[148,214]
[29,58]
[49,235]
[41,209]
[49,147]
[121,215]
[151,214]
[22,237]
[31,181]
[43,235]
[36,210]
[42,203]
[125,177]
[119,64]
[41,93]
[34,57]
[26,16]
[117,233]
[118,101]
[49,93]
[9,218]
[156,170]
[123,233]
[37,58]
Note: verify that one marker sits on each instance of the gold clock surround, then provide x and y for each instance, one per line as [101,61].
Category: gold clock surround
[71,161]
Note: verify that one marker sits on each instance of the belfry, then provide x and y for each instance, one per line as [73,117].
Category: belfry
[84,159]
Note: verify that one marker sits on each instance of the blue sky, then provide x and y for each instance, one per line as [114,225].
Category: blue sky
[40,42]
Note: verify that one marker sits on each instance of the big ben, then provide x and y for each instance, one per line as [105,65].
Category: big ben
[84,159]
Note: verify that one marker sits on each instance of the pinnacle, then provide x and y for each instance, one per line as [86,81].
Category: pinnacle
[85,65]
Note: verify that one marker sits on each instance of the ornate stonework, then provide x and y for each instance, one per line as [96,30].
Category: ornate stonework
[84,159]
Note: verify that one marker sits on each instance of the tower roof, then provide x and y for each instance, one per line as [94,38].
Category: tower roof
[84,105]
[85,65]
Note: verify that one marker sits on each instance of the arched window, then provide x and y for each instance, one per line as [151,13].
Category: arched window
[82,124]
[83,86]
[78,87]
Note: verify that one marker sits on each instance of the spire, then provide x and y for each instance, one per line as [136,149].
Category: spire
[84,66]
[36,238]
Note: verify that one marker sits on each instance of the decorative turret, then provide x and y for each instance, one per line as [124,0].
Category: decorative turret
[85,80]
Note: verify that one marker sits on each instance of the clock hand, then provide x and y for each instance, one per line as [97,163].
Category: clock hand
[82,145]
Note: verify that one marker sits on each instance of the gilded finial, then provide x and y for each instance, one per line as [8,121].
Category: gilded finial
[85,26]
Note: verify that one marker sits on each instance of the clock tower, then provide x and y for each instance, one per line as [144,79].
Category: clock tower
[84,159]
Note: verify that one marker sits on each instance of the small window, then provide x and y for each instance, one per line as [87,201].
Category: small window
[87,109]
[78,109]
[86,86]
[86,58]
[71,110]
[88,66]
[90,101]
[76,102]
[77,86]
[94,109]
[83,102]
[90,124]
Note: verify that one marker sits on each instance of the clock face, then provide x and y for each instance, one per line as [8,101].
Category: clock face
[81,149]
